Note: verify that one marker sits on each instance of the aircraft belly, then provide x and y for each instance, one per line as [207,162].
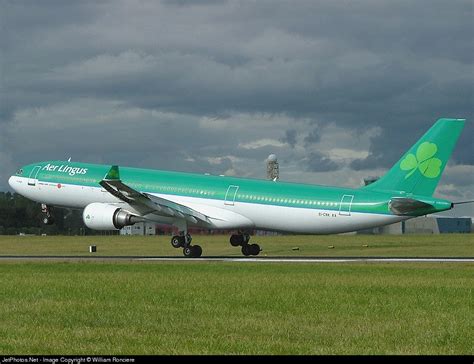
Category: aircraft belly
[311,221]
[282,218]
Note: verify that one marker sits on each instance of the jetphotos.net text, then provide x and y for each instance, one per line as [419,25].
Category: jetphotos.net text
[65,359]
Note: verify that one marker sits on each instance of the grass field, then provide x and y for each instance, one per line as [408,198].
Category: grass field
[195,307]
[232,308]
[446,245]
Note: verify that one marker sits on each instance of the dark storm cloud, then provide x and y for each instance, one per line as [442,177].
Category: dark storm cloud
[318,162]
[314,136]
[298,67]
[464,151]
[429,28]
[397,137]
[396,66]
[289,138]
[194,2]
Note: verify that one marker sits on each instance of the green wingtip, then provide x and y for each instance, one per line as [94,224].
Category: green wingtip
[113,173]
[452,119]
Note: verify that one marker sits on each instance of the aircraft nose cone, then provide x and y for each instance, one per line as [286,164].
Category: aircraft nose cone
[11,183]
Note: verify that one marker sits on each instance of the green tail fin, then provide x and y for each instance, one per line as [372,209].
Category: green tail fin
[419,170]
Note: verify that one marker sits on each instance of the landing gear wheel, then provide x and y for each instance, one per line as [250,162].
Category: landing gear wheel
[242,239]
[254,249]
[48,220]
[236,240]
[177,241]
[192,251]
[246,250]
[197,251]
[188,252]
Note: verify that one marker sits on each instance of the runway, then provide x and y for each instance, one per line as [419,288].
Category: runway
[243,259]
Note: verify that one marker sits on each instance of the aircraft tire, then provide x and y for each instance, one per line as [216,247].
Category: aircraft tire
[236,240]
[176,241]
[254,249]
[197,251]
[48,220]
[188,251]
[246,250]
[192,251]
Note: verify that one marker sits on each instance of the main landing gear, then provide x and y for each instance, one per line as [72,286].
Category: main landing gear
[48,218]
[183,240]
[242,239]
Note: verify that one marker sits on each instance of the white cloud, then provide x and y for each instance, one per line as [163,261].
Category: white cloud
[256,144]
[347,155]
[127,63]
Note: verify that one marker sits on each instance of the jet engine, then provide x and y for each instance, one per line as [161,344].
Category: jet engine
[102,216]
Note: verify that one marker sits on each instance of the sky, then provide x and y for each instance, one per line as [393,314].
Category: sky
[338,90]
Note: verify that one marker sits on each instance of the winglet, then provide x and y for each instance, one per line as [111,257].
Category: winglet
[112,174]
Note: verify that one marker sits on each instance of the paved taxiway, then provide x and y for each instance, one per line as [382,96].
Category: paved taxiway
[247,259]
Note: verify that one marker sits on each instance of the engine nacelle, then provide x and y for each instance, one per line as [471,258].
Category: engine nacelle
[102,216]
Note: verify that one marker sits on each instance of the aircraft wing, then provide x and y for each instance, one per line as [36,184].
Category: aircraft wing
[146,203]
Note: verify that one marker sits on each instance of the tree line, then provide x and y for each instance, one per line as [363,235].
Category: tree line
[18,215]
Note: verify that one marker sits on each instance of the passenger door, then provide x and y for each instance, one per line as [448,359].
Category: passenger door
[230,195]
[33,178]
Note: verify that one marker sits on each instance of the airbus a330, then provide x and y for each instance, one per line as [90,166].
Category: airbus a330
[113,197]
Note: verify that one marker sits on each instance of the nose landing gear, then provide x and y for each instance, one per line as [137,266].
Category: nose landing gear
[48,218]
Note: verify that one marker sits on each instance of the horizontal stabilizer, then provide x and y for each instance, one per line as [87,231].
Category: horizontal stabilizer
[408,206]
[463,202]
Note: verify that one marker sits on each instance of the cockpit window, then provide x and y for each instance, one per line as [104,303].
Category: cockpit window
[19,172]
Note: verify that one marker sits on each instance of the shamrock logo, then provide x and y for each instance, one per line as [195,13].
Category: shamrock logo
[424,161]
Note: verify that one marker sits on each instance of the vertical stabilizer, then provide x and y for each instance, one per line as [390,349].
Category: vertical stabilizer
[420,169]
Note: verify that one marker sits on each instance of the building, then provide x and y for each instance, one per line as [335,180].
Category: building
[454,225]
[420,225]
[273,169]
[431,224]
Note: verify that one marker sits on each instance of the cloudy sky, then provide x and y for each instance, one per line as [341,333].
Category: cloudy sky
[337,89]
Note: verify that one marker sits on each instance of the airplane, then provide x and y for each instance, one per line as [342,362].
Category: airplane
[113,197]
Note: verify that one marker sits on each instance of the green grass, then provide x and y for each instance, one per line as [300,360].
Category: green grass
[446,245]
[235,308]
